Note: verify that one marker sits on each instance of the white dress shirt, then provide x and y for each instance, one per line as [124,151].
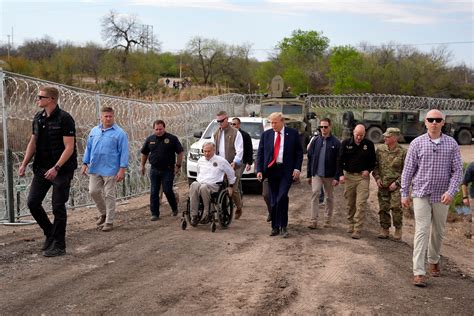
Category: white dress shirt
[282,142]
[212,171]
[238,145]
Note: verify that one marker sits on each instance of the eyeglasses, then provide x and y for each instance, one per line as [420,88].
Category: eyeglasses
[433,119]
[41,97]
[220,121]
[321,126]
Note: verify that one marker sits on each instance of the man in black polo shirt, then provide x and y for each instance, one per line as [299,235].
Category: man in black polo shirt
[160,149]
[53,144]
[357,159]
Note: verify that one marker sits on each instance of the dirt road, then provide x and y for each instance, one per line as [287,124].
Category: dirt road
[145,267]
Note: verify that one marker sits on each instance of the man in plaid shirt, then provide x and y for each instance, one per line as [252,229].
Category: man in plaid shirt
[433,168]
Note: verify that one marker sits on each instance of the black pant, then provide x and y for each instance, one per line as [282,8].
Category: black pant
[279,185]
[158,177]
[38,190]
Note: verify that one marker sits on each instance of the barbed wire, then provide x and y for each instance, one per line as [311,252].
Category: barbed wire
[134,116]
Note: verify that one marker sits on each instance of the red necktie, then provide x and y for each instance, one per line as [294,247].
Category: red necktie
[276,149]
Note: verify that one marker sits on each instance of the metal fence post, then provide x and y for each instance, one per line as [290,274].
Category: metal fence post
[7,156]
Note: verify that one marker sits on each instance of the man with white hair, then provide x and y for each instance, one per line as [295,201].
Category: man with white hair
[211,169]
[433,169]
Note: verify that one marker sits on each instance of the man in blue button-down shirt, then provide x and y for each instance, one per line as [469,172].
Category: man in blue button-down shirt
[106,160]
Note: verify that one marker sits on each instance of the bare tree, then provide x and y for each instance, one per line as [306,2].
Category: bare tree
[126,32]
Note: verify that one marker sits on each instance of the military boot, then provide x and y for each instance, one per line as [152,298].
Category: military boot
[384,232]
[398,234]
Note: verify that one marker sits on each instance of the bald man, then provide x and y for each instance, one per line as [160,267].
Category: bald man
[357,159]
[433,170]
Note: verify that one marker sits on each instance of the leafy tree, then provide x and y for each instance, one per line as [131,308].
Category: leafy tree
[346,71]
[302,54]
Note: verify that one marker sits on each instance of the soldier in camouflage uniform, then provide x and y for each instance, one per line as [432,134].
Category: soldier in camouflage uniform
[387,173]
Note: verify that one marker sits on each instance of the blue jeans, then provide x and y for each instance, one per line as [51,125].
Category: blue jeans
[158,178]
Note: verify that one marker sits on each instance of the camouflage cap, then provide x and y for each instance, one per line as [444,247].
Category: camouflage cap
[392,131]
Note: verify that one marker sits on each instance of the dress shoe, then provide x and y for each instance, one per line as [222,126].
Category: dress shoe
[194,220]
[355,234]
[275,231]
[101,220]
[313,225]
[54,252]
[107,227]
[238,213]
[398,234]
[434,270]
[284,232]
[154,218]
[419,280]
[269,218]
[384,232]
[47,243]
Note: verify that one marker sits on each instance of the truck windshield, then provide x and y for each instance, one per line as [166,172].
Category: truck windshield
[269,109]
[255,129]
[292,109]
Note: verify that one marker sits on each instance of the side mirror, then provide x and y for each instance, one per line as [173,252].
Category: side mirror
[197,134]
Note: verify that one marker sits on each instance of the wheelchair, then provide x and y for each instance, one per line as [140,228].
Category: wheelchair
[221,210]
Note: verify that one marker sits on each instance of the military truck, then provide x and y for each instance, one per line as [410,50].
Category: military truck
[410,123]
[461,127]
[294,109]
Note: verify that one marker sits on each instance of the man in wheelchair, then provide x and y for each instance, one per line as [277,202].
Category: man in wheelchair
[211,170]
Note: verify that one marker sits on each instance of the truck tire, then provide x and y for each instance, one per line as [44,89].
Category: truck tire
[375,135]
[464,137]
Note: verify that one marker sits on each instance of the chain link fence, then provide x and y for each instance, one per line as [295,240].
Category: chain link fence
[18,95]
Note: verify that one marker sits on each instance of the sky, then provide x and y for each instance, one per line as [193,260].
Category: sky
[425,24]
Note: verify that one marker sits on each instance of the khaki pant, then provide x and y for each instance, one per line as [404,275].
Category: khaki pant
[197,190]
[236,193]
[102,191]
[356,192]
[430,219]
[316,184]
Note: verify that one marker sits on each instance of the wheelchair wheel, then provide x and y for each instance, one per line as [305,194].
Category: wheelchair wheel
[225,209]
[183,224]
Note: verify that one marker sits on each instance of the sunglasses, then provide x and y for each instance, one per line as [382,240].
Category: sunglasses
[41,97]
[432,119]
[321,126]
[220,121]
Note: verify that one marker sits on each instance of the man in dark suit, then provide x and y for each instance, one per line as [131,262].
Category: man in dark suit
[279,159]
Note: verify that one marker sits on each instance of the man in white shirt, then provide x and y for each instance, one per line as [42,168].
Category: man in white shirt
[230,145]
[211,169]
